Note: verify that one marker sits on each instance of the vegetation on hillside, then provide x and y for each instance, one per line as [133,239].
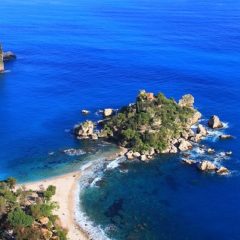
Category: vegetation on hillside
[151,122]
[28,215]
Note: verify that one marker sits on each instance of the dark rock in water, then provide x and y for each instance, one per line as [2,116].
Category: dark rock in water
[1,60]
[214,122]
[115,208]
[229,153]
[225,137]
[85,112]
[100,183]
[7,56]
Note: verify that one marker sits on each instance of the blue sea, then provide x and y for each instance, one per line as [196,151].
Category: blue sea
[88,54]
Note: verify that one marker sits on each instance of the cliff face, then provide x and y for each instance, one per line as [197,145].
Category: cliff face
[1,60]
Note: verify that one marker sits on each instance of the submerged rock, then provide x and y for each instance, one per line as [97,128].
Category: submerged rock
[214,122]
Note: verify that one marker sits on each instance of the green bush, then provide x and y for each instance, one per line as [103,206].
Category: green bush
[42,210]
[51,191]
[18,218]
[134,126]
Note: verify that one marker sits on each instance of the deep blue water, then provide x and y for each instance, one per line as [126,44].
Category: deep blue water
[75,54]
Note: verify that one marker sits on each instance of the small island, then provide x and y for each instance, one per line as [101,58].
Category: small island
[154,124]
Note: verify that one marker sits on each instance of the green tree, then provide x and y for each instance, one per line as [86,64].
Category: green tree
[51,191]
[3,205]
[18,218]
[11,182]
[42,210]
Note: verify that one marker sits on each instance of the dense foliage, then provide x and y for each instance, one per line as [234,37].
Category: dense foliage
[151,122]
[28,215]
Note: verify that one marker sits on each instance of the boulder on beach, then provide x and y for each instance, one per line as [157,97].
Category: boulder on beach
[214,122]
[207,166]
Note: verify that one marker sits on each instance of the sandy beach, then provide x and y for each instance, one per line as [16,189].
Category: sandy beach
[66,187]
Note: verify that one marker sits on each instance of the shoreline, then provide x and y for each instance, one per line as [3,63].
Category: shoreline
[67,196]
[66,190]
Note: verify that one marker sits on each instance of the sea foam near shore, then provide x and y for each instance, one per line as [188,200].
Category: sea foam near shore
[93,170]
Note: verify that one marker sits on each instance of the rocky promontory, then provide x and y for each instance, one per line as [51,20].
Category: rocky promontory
[5,56]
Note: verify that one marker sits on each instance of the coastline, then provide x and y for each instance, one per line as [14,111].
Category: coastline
[66,189]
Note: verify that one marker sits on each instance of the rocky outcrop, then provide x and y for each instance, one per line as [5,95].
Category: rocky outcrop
[84,130]
[85,112]
[207,166]
[195,118]
[225,137]
[129,155]
[189,161]
[184,145]
[223,171]
[1,60]
[7,56]
[186,101]
[210,151]
[143,158]
[44,220]
[202,130]
[214,122]
[107,112]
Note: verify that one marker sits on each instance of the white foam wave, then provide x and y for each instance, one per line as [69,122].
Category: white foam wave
[115,163]
[94,231]
[74,152]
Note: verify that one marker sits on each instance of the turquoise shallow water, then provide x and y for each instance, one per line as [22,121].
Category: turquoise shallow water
[95,54]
